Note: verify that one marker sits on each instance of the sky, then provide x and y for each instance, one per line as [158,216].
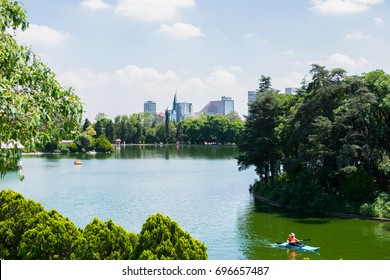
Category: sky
[117,54]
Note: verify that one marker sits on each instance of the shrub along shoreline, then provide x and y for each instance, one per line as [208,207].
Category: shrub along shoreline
[288,197]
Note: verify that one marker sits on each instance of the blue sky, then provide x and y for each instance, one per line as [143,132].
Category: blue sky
[117,54]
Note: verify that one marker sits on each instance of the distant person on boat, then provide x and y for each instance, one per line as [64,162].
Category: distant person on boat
[292,240]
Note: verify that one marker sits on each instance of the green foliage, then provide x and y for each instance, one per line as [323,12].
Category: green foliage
[63,148]
[216,129]
[50,236]
[105,241]
[28,231]
[103,145]
[259,145]
[161,238]
[84,143]
[34,108]
[335,131]
[357,185]
[379,208]
[15,215]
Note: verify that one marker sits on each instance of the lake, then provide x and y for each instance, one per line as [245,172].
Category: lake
[201,188]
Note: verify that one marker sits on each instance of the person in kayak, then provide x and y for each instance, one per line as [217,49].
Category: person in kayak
[292,240]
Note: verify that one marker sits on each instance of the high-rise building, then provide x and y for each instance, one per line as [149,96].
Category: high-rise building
[150,106]
[219,107]
[251,97]
[228,105]
[183,110]
[290,90]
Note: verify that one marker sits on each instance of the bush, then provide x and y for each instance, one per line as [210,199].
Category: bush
[163,239]
[381,205]
[84,142]
[73,147]
[63,148]
[28,231]
[105,241]
[51,236]
[102,144]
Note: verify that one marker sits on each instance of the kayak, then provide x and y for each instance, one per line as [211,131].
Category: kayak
[302,247]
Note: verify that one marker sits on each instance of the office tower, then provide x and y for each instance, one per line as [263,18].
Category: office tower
[150,106]
[219,107]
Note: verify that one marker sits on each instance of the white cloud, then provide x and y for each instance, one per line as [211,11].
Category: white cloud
[41,35]
[235,68]
[83,78]
[181,30]
[293,80]
[222,77]
[249,36]
[337,7]
[343,61]
[378,21]
[151,10]
[125,90]
[357,35]
[133,74]
[288,52]
[95,4]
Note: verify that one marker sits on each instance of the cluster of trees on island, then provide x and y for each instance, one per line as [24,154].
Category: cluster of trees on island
[326,148]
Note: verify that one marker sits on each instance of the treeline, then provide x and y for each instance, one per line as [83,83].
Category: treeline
[325,148]
[28,231]
[143,128]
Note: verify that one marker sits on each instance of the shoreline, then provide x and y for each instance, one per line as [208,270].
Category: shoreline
[330,214]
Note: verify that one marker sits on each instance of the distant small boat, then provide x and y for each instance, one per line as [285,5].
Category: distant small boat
[77,162]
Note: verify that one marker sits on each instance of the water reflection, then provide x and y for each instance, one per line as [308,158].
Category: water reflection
[176,151]
[260,227]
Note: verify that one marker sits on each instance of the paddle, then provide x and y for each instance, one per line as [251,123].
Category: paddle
[307,239]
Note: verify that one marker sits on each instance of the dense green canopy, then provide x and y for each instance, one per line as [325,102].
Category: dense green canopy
[33,106]
[28,231]
[331,140]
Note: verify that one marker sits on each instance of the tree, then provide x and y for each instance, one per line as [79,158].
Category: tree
[259,144]
[233,116]
[15,215]
[28,231]
[105,241]
[51,237]
[264,84]
[90,131]
[110,131]
[163,239]
[103,145]
[86,124]
[99,128]
[33,106]
[84,142]
[332,140]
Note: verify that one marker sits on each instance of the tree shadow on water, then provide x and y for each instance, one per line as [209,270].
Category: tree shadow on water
[298,216]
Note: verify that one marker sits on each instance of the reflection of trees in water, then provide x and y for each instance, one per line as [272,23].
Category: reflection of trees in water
[257,234]
[179,151]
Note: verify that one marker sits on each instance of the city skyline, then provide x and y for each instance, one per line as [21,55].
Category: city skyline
[184,109]
[118,53]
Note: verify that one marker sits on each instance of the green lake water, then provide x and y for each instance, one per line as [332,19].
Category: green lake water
[201,188]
